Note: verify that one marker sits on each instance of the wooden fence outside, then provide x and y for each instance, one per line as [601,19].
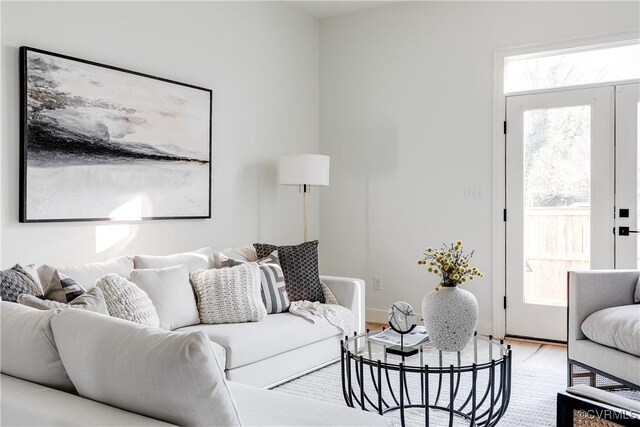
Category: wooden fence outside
[555,240]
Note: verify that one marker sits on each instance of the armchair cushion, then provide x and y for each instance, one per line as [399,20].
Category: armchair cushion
[617,327]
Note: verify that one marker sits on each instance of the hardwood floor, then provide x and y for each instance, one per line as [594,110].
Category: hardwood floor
[535,354]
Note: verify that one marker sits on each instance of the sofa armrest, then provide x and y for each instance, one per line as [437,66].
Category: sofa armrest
[350,293]
[594,290]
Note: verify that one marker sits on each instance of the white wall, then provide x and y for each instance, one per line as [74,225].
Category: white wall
[260,60]
[406,114]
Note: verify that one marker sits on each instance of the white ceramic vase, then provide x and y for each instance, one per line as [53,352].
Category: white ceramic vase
[450,317]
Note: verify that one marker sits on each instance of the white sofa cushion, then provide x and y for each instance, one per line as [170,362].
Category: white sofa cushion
[171,376]
[617,327]
[259,407]
[200,259]
[28,350]
[171,294]
[229,295]
[88,274]
[247,343]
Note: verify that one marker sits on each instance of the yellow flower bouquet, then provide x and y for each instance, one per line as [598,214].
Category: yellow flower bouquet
[451,264]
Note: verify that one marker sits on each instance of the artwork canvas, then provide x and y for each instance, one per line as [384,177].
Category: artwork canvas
[103,143]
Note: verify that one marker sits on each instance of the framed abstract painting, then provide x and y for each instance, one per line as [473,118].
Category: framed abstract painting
[103,143]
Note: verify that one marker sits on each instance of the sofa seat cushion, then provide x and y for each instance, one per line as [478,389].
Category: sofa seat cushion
[617,327]
[259,407]
[247,343]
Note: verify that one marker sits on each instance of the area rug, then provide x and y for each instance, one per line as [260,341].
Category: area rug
[533,396]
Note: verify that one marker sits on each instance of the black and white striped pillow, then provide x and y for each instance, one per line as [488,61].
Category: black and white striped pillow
[274,293]
[273,290]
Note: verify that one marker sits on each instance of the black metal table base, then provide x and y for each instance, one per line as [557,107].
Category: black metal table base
[476,394]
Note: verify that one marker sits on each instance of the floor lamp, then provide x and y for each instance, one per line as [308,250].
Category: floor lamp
[304,170]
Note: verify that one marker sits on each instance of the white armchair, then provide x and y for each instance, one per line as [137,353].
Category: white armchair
[588,361]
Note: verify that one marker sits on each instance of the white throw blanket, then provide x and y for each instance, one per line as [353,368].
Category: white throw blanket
[337,315]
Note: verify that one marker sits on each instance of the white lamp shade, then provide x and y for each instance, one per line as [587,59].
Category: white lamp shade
[304,169]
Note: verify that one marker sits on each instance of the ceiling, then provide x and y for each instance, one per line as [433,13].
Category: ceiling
[326,8]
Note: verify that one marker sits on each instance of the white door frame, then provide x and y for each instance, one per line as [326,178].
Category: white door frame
[499,170]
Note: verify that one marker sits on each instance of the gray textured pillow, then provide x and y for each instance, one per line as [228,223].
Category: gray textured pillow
[300,266]
[617,327]
[27,347]
[90,301]
[229,295]
[17,281]
[171,294]
[636,297]
[127,301]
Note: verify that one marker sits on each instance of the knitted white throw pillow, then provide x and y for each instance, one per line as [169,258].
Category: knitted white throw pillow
[229,295]
[127,301]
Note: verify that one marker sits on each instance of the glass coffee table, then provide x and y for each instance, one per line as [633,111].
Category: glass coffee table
[471,387]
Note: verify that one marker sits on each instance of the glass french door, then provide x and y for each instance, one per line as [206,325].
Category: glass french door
[568,168]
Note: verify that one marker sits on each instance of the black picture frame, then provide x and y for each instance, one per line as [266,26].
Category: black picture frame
[41,135]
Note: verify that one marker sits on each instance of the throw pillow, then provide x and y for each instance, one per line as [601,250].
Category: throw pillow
[27,348]
[273,289]
[200,259]
[127,301]
[170,376]
[16,281]
[636,297]
[88,274]
[617,327]
[329,297]
[171,294]
[229,295]
[242,253]
[90,301]
[62,288]
[300,266]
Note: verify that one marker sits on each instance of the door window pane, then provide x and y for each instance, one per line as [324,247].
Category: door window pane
[557,167]
[566,68]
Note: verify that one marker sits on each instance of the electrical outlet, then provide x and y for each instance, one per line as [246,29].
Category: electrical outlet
[377,283]
[473,192]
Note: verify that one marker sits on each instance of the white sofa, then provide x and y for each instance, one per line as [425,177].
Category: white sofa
[262,354]
[98,354]
[589,293]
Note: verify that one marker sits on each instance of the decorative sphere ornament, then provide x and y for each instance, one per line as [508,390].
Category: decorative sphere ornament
[402,317]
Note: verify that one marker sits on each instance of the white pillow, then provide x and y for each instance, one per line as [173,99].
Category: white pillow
[170,376]
[27,347]
[229,295]
[171,294]
[617,327]
[200,259]
[88,274]
[127,301]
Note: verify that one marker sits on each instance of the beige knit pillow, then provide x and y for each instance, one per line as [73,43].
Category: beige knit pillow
[229,295]
[127,301]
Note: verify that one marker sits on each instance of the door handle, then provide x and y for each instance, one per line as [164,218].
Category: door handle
[624,231]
